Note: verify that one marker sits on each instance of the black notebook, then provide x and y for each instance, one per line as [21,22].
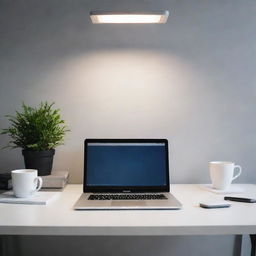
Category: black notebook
[5,181]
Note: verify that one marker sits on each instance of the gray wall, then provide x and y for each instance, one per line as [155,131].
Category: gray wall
[191,80]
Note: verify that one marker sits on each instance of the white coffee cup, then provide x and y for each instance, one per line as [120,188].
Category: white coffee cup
[222,174]
[25,182]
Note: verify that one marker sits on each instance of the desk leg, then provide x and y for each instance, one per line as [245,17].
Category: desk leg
[2,245]
[253,242]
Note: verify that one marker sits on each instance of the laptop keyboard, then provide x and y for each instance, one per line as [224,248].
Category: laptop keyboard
[127,197]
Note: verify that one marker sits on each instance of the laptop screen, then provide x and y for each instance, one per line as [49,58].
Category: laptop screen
[126,164]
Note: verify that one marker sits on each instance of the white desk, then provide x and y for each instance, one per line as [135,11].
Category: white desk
[59,218]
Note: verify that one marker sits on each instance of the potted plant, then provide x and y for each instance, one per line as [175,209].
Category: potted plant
[38,131]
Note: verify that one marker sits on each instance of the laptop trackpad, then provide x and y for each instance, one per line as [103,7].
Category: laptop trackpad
[128,203]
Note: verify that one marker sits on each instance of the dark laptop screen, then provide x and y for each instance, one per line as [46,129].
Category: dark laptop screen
[126,164]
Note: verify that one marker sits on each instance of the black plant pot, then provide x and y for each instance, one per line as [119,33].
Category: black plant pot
[39,160]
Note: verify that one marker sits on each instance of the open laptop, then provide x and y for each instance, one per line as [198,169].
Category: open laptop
[126,174]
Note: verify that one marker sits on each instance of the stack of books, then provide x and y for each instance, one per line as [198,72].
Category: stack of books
[41,198]
[56,180]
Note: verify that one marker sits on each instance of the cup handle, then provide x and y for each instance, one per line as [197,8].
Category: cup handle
[39,183]
[239,171]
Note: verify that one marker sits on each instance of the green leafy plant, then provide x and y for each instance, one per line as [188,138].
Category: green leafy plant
[36,129]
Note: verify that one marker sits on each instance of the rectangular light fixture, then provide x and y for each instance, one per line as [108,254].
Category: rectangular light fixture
[100,17]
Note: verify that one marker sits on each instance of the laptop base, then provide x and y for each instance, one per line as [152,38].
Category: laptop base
[171,203]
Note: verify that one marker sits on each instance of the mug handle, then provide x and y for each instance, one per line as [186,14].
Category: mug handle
[239,171]
[39,183]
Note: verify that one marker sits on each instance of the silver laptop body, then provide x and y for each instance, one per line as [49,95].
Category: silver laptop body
[126,174]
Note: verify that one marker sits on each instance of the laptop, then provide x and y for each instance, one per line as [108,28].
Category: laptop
[126,174]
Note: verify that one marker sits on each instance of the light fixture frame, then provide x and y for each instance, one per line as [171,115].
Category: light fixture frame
[163,16]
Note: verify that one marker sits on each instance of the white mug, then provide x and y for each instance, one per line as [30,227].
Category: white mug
[25,182]
[222,174]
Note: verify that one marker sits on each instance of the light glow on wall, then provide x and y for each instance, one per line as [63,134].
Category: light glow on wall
[129,18]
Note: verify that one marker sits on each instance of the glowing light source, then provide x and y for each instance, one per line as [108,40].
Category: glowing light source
[98,17]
